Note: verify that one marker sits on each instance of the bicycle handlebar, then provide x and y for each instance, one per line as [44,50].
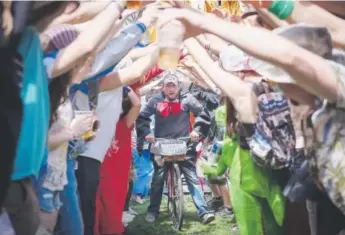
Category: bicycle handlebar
[180,138]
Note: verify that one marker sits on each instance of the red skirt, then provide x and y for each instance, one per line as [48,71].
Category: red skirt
[113,186]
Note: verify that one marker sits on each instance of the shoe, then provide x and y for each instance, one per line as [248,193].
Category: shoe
[207,218]
[150,217]
[224,212]
[215,203]
[127,218]
[139,200]
[234,230]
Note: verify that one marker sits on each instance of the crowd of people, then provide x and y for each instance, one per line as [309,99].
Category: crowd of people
[259,90]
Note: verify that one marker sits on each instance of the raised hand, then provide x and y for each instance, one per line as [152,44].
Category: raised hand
[150,138]
[81,124]
[191,18]
[151,13]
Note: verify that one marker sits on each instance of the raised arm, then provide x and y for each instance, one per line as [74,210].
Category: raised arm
[86,11]
[87,41]
[309,12]
[139,52]
[305,67]
[117,48]
[270,19]
[151,74]
[306,12]
[130,74]
[212,43]
[135,109]
[124,42]
[200,74]
[240,93]
[147,88]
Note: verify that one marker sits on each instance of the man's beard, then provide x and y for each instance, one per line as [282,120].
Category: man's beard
[171,99]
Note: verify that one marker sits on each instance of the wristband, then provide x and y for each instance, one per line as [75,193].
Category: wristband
[282,8]
[140,44]
[141,26]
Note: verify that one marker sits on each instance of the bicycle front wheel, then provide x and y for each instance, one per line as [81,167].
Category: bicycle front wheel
[175,196]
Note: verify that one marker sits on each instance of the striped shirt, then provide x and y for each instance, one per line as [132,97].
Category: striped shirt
[60,37]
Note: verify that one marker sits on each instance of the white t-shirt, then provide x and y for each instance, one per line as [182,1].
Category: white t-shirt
[108,112]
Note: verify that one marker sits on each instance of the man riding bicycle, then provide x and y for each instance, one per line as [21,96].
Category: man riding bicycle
[172,110]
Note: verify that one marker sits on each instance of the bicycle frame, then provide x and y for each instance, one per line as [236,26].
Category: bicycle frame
[173,178]
[175,198]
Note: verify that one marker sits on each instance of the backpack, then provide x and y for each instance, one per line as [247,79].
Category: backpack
[273,142]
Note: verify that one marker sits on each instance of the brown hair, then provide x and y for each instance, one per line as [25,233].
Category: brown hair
[231,120]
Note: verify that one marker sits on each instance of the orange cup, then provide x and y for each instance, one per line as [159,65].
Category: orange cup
[134,4]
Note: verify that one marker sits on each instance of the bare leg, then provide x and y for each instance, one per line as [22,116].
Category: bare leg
[216,190]
[226,195]
[48,220]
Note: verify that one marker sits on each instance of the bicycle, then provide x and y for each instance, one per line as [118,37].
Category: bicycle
[172,152]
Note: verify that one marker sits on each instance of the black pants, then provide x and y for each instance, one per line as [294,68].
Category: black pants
[129,194]
[22,207]
[88,174]
[330,220]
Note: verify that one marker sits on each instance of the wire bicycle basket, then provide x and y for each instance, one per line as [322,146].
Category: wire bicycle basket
[169,148]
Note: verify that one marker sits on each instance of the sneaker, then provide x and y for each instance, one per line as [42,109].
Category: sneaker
[224,212]
[139,200]
[127,218]
[150,217]
[208,218]
[132,212]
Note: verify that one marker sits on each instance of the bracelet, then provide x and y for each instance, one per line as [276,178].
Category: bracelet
[282,8]
[207,46]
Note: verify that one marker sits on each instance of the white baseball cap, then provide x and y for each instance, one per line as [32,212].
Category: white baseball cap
[233,59]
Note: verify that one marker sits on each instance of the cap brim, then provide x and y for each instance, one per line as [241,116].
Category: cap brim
[175,83]
[270,72]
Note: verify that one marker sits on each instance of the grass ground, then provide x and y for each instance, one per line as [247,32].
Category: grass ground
[163,226]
